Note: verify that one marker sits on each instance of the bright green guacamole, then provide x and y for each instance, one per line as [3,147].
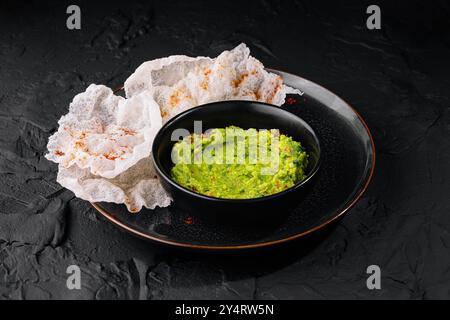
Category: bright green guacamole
[234,163]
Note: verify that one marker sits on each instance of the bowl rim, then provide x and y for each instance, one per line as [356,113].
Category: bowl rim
[297,185]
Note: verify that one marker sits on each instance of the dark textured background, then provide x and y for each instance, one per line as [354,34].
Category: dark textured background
[396,77]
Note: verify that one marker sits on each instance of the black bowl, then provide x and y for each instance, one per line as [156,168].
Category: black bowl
[244,114]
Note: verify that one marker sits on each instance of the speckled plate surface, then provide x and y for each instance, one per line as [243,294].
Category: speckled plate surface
[348,161]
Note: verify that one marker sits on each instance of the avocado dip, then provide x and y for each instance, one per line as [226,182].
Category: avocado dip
[234,163]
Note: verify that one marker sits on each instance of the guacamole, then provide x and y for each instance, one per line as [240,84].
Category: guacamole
[234,163]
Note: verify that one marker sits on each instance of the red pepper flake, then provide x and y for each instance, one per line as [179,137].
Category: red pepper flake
[110,156]
[189,220]
[59,153]
[275,90]
[128,131]
[291,101]
[237,82]
[174,99]
[79,144]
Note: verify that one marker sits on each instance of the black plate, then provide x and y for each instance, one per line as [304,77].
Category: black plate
[348,161]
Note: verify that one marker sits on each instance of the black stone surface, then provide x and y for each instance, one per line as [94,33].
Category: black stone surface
[396,77]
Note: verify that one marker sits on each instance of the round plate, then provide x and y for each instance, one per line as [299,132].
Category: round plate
[348,162]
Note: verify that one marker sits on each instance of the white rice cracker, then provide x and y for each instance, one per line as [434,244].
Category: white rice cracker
[178,83]
[137,187]
[104,133]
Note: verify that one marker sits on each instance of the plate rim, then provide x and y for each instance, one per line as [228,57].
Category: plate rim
[335,217]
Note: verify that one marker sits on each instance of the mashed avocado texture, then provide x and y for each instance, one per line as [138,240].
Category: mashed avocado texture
[235,163]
